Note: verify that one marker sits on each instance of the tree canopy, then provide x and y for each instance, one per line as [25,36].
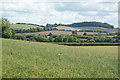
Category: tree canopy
[85,24]
[7,32]
[91,24]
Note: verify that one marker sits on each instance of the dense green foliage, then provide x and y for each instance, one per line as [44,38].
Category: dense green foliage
[88,44]
[91,24]
[98,38]
[23,59]
[7,32]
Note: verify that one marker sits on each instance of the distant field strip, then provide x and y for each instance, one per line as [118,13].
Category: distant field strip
[22,26]
[57,33]
[67,28]
[97,28]
[24,59]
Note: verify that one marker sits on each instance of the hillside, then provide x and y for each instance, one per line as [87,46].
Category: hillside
[67,28]
[98,28]
[85,24]
[22,26]
[91,24]
[23,59]
[86,28]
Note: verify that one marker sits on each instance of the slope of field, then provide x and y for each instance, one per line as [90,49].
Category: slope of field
[23,59]
[22,26]
[67,28]
[86,28]
[88,33]
[97,28]
[57,33]
[47,32]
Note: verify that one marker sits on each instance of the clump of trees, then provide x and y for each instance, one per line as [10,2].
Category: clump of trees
[7,32]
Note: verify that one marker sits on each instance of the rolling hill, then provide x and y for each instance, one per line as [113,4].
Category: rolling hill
[98,28]
[91,24]
[23,26]
[24,59]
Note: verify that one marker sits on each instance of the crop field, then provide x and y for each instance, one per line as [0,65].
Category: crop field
[97,28]
[67,28]
[47,32]
[89,33]
[86,28]
[22,26]
[24,59]
[57,33]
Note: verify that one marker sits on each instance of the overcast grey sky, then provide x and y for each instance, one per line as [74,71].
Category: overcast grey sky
[63,11]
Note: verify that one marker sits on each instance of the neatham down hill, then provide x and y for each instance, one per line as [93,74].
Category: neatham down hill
[86,24]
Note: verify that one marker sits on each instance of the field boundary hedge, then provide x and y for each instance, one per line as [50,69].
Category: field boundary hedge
[90,44]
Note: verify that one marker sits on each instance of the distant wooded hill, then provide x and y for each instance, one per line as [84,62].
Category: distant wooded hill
[84,24]
[91,24]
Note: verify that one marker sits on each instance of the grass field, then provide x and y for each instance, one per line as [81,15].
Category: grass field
[23,59]
[22,26]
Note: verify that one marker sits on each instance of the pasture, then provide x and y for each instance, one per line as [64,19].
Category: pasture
[22,26]
[24,59]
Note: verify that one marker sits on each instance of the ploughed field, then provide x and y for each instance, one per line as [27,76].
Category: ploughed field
[24,59]
[97,28]
[86,28]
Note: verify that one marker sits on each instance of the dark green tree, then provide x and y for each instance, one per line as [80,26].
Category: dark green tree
[84,33]
[50,34]
[51,39]
[74,32]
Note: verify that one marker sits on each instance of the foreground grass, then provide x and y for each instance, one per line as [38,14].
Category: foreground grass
[22,59]
[22,26]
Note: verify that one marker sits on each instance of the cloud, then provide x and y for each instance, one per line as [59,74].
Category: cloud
[64,11]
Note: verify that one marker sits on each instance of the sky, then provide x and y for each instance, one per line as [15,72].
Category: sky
[60,11]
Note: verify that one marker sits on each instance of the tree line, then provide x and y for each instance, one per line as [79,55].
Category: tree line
[68,38]
[91,24]
[28,24]
[38,29]
[84,24]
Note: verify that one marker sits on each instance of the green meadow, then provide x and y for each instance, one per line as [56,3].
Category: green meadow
[24,59]
[22,26]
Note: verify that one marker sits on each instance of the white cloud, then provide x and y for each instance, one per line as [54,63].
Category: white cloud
[54,11]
